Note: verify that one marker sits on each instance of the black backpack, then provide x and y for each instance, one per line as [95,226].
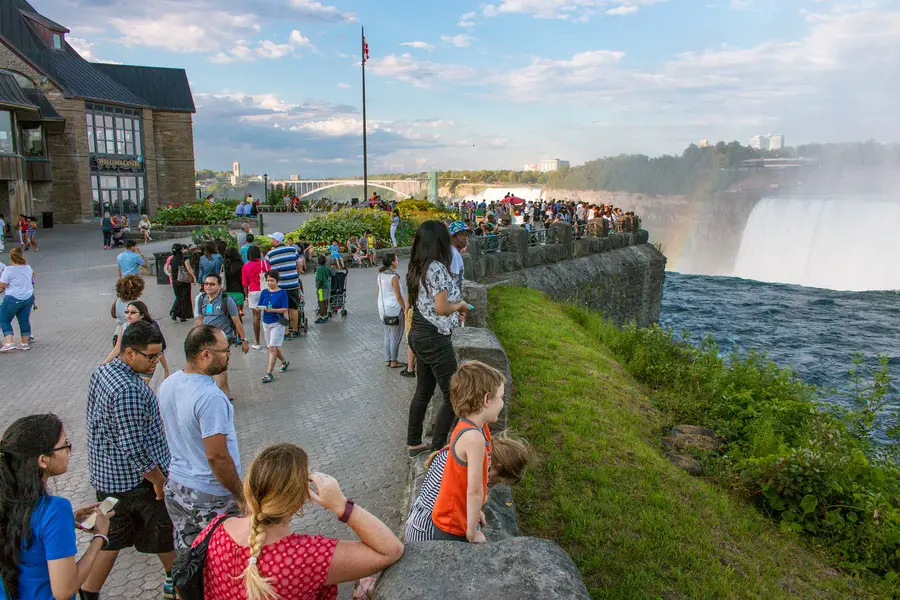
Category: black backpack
[187,570]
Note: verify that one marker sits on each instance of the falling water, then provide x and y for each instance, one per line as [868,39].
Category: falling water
[838,243]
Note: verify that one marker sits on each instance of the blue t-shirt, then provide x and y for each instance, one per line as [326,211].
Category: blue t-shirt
[129,262]
[192,408]
[335,251]
[276,299]
[53,530]
[210,266]
[244,250]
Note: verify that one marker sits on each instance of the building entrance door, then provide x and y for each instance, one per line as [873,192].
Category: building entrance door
[120,194]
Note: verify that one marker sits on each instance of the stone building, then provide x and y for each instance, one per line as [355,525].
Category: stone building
[78,138]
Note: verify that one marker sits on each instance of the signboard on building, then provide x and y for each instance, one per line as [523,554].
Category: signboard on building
[118,164]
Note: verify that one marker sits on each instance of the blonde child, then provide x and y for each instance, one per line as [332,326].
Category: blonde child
[508,460]
[476,394]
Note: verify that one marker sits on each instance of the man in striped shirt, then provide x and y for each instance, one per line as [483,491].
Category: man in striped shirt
[286,260]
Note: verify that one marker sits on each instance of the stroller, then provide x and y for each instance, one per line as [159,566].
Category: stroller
[338,300]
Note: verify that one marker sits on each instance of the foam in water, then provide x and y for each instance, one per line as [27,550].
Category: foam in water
[839,243]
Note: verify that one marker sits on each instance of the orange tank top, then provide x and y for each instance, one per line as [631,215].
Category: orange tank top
[449,513]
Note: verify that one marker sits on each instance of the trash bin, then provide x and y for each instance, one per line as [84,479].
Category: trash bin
[161,258]
[47,220]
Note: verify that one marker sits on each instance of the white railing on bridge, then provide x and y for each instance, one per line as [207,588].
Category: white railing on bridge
[307,187]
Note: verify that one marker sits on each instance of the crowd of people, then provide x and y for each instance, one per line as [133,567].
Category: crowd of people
[170,456]
[484,217]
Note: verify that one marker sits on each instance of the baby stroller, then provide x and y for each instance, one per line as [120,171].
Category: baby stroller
[338,300]
[118,237]
[303,324]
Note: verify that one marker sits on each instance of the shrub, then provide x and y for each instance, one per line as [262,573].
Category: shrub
[341,224]
[200,213]
[814,470]
[201,235]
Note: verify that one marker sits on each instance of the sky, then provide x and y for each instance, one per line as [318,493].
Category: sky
[503,83]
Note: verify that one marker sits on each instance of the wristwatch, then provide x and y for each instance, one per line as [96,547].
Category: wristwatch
[348,509]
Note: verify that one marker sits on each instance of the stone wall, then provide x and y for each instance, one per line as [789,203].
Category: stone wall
[173,158]
[620,275]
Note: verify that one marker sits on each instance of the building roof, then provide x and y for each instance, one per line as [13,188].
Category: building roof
[11,94]
[162,88]
[76,77]
[48,113]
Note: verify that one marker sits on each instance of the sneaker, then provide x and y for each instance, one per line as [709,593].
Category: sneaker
[169,591]
[255,346]
[285,366]
[269,378]
[7,347]
[23,347]
[407,373]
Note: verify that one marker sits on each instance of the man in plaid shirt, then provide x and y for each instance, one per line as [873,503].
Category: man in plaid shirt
[128,457]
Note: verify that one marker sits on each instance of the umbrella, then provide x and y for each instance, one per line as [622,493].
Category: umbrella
[514,200]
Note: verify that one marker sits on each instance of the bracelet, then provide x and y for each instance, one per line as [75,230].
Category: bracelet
[348,509]
[102,537]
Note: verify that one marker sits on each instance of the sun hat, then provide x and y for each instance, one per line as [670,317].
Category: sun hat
[457,227]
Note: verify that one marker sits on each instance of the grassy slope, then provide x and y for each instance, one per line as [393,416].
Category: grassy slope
[636,526]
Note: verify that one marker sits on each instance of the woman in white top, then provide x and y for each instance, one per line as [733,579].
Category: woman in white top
[17,281]
[395,223]
[144,226]
[391,308]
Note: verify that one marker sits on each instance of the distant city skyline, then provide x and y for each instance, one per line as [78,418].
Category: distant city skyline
[499,83]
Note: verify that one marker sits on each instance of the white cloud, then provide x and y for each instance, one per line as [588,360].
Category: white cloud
[418,73]
[345,86]
[461,40]
[567,10]
[265,49]
[467,20]
[82,47]
[419,45]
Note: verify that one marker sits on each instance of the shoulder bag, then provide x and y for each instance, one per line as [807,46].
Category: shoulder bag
[183,276]
[187,570]
[387,320]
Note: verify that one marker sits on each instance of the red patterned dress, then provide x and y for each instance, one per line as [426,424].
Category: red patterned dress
[298,565]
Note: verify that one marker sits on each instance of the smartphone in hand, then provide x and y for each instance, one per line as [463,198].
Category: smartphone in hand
[105,506]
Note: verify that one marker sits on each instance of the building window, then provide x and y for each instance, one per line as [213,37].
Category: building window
[57,41]
[6,133]
[32,141]
[23,81]
[120,194]
[113,130]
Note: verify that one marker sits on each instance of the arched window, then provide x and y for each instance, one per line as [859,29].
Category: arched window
[22,80]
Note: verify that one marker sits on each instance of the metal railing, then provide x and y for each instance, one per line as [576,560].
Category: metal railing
[542,237]
[494,242]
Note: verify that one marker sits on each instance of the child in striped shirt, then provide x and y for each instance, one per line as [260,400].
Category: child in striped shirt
[509,458]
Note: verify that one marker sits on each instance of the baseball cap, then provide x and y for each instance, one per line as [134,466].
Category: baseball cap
[457,226]
[277,236]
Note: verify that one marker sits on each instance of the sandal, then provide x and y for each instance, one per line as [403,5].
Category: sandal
[269,378]
[284,367]
[397,365]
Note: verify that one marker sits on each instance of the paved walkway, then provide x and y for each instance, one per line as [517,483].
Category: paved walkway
[338,400]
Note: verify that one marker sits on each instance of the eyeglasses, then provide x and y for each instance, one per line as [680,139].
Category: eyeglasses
[66,446]
[150,357]
[132,312]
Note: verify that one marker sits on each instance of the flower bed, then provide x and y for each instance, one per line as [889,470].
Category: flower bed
[199,213]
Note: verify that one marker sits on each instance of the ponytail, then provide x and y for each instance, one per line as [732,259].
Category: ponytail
[258,587]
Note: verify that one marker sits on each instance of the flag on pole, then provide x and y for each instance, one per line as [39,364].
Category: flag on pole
[365,50]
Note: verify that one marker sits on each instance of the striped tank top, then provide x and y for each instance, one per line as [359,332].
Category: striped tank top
[449,514]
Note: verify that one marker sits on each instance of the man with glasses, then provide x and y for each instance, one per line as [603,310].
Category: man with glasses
[205,477]
[219,310]
[128,457]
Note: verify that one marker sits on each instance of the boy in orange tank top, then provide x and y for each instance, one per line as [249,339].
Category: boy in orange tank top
[476,393]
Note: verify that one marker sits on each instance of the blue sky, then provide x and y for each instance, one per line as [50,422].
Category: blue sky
[503,83]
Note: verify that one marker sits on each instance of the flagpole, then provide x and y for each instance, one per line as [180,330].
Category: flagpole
[365,142]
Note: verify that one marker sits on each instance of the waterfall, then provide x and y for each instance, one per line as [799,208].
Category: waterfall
[838,242]
[496,194]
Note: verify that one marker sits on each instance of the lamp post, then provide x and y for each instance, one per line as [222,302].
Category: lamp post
[266,187]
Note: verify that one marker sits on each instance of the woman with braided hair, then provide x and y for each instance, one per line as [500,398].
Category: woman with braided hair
[258,557]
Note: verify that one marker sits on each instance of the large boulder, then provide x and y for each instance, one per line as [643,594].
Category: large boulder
[520,568]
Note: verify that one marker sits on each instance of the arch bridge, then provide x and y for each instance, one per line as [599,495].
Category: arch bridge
[406,188]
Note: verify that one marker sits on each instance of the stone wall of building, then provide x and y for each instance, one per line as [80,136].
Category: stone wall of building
[69,196]
[173,139]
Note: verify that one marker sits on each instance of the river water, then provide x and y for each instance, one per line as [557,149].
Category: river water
[814,331]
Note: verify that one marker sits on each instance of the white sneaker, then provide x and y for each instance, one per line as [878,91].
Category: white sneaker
[23,347]
[7,347]
[255,347]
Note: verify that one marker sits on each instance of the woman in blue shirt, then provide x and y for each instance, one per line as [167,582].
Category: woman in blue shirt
[211,262]
[37,556]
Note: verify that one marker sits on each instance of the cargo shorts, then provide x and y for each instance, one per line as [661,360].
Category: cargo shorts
[191,511]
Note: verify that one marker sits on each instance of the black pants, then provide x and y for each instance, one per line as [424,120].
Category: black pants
[182,307]
[107,237]
[435,365]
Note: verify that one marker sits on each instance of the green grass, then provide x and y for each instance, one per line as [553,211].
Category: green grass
[636,526]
